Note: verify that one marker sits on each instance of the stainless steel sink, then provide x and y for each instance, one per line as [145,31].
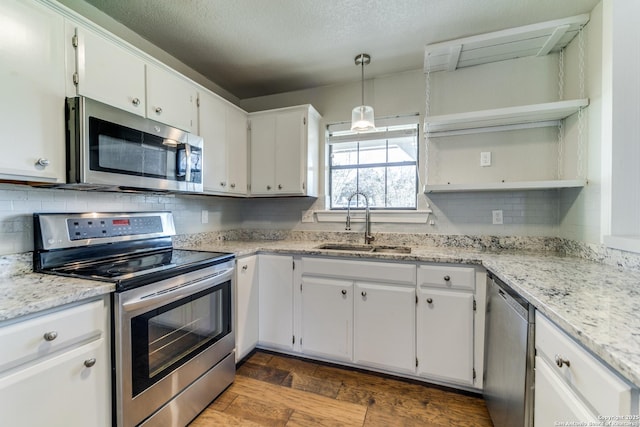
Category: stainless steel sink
[392,249]
[354,247]
[345,247]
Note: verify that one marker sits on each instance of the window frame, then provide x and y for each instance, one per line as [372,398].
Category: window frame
[387,133]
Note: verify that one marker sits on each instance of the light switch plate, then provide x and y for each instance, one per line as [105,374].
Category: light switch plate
[485,158]
[204,218]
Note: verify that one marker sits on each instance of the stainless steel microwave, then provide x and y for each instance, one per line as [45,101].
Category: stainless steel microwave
[112,148]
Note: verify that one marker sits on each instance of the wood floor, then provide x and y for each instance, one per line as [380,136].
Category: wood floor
[277,390]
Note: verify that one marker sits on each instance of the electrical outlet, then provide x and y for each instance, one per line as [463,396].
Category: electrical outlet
[307,216]
[485,158]
[204,217]
[497,217]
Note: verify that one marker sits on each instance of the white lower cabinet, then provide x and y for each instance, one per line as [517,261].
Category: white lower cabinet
[445,335]
[275,277]
[446,323]
[571,384]
[384,326]
[55,369]
[246,305]
[327,317]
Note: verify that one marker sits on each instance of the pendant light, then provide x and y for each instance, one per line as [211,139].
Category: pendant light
[362,116]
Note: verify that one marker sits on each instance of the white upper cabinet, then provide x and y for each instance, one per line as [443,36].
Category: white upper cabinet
[224,130]
[113,73]
[171,99]
[284,151]
[32,90]
[109,73]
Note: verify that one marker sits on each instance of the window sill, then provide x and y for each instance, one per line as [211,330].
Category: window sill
[386,216]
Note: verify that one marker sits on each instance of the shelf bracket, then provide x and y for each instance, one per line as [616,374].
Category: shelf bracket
[553,39]
[454,57]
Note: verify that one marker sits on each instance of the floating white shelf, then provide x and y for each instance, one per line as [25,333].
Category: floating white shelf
[546,114]
[537,39]
[506,186]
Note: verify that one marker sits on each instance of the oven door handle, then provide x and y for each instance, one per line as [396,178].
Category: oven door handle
[167,295]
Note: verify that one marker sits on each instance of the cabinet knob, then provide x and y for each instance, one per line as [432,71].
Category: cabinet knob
[90,362]
[279,186]
[222,183]
[43,162]
[344,292]
[135,101]
[363,293]
[50,336]
[158,110]
[561,362]
[233,185]
[244,267]
[429,300]
[268,187]
[447,278]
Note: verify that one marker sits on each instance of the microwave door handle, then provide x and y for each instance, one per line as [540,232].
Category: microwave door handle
[187,172]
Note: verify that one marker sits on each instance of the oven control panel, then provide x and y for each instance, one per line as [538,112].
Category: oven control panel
[95,228]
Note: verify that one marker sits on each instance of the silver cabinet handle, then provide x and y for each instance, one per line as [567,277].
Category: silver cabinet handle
[363,293]
[222,184]
[233,185]
[135,101]
[90,362]
[158,110]
[429,300]
[244,267]
[279,186]
[344,292]
[561,362]
[43,162]
[447,278]
[50,336]
[268,187]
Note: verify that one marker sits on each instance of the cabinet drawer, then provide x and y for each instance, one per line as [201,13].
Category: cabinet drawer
[589,378]
[442,276]
[360,270]
[25,341]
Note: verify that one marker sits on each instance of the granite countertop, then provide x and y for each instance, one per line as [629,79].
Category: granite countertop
[597,304]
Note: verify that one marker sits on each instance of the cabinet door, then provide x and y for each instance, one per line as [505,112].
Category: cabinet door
[384,326]
[237,161]
[263,154]
[60,391]
[171,99]
[445,335]
[290,140]
[246,306]
[327,317]
[555,402]
[109,73]
[275,279]
[212,129]
[32,89]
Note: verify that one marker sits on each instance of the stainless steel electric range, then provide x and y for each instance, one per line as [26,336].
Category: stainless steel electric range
[172,310]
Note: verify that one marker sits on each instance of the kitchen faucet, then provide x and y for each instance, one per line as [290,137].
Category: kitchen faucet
[368,238]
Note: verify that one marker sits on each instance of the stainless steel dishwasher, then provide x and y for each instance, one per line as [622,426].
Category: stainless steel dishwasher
[509,356]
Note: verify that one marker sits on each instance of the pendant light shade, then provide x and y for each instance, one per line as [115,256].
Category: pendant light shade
[362,117]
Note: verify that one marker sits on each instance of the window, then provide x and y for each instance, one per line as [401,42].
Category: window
[381,164]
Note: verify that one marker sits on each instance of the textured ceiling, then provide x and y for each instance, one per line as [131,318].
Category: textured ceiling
[261,47]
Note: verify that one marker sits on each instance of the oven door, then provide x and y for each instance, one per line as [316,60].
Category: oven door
[167,335]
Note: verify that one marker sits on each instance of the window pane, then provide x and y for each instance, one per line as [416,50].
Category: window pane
[343,184]
[344,154]
[403,150]
[371,182]
[373,152]
[401,188]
